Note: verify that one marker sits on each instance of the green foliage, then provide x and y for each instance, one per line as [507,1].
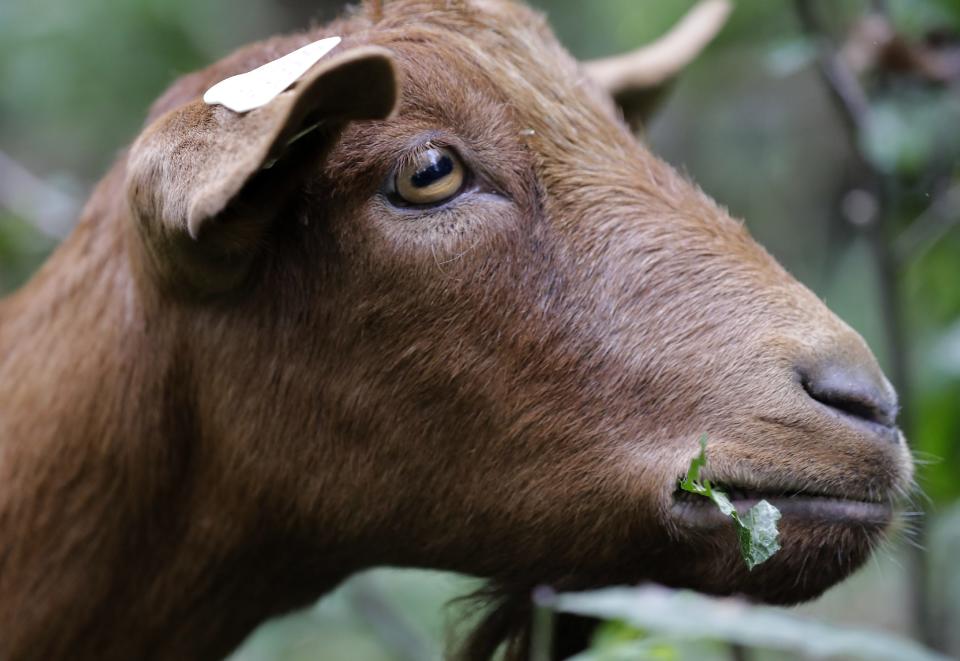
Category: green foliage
[683,615]
[617,640]
[78,77]
[756,530]
[908,131]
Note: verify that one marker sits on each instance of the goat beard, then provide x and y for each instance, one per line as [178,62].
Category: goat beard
[501,617]
[507,620]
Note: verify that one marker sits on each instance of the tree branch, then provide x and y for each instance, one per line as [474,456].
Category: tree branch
[929,227]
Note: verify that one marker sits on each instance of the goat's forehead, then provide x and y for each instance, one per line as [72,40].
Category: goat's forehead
[507,43]
[569,125]
[510,50]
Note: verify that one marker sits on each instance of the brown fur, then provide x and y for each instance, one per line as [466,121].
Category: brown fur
[508,386]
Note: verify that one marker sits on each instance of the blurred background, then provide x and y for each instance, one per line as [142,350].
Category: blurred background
[832,128]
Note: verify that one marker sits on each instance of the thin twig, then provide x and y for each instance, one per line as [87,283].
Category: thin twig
[929,227]
[543,625]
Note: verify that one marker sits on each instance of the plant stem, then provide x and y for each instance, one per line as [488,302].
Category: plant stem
[541,633]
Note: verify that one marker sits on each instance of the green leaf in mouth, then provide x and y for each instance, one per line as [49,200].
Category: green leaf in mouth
[756,530]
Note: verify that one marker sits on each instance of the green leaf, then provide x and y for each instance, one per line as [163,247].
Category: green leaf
[721,500]
[613,633]
[758,533]
[692,481]
[756,530]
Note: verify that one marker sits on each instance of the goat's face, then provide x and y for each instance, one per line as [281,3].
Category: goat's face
[486,332]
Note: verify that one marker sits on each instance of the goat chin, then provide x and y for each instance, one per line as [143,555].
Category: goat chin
[711,564]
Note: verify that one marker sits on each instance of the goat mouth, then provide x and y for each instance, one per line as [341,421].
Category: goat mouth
[794,504]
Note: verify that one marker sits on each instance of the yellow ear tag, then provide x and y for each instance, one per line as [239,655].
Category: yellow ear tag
[259,87]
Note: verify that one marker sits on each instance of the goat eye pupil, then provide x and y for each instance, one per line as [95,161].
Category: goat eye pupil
[440,166]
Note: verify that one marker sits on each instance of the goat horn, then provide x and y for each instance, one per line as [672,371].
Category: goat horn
[659,61]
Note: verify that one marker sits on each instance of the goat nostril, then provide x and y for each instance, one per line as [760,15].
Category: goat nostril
[853,391]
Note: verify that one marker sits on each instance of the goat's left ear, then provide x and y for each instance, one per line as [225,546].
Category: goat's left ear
[204,182]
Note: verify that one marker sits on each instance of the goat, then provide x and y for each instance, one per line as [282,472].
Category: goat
[466,322]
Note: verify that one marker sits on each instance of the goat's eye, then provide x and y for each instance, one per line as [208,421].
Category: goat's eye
[433,176]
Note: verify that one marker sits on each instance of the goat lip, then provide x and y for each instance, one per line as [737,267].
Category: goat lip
[700,511]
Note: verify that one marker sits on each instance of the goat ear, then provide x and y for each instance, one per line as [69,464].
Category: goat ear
[204,183]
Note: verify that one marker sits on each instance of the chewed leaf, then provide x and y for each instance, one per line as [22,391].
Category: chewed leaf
[758,533]
[690,483]
[721,500]
[756,530]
